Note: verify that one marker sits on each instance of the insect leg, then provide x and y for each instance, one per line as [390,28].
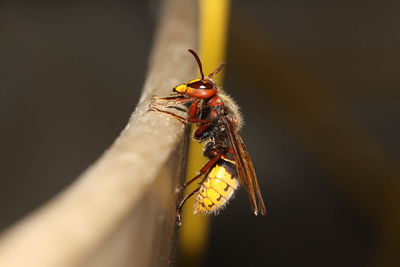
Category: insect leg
[173,97]
[194,120]
[181,119]
[201,129]
[178,213]
[193,109]
[181,188]
[169,101]
[202,171]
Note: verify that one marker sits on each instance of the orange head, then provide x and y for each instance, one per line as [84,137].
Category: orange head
[199,88]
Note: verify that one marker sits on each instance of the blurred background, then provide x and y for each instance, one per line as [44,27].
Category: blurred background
[317,83]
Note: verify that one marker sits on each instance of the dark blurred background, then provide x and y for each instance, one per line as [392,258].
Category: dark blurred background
[318,85]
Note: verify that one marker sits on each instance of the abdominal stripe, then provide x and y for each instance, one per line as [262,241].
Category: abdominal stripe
[211,187]
[221,195]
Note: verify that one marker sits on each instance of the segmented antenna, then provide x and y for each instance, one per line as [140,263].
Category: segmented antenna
[198,62]
[217,69]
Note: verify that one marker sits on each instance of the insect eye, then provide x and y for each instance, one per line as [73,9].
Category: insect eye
[201,85]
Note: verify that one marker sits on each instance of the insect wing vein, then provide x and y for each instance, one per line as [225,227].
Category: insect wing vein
[242,166]
[256,188]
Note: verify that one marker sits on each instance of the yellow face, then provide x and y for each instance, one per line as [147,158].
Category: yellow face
[182,88]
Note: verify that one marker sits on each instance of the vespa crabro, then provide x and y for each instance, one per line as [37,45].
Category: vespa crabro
[219,122]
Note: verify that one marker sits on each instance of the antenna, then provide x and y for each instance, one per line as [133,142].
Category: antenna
[217,69]
[198,62]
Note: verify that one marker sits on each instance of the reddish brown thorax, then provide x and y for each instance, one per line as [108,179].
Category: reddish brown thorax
[214,101]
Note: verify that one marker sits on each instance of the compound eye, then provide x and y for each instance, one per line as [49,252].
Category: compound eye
[201,85]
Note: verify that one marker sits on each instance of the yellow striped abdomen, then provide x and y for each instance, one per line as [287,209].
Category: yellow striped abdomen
[218,187]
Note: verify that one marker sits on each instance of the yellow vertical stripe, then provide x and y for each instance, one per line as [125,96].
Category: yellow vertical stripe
[194,233]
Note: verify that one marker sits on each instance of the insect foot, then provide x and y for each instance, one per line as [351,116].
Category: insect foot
[178,219]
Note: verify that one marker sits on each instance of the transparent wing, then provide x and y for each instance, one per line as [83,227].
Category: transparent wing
[247,175]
